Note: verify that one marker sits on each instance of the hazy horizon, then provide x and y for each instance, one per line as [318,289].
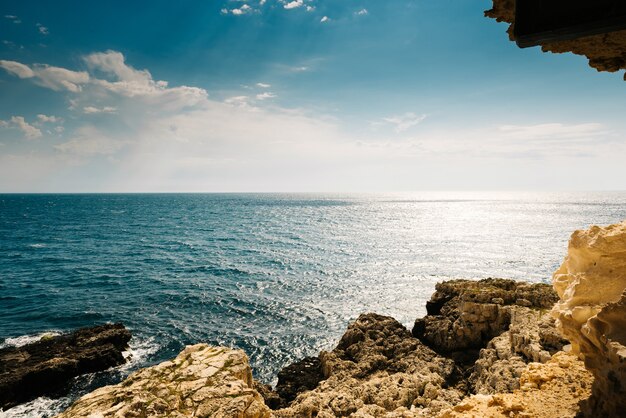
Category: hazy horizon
[295,96]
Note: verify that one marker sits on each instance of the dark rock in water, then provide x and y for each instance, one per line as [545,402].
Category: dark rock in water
[46,366]
[299,377]
[271,398]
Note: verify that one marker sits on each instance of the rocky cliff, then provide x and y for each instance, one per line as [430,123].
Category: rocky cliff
[591,312]
[487,348]
[605,52]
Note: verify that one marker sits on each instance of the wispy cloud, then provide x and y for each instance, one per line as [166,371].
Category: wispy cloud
[13,18]
[405,121]
[325,19]
[42,29]
[48,119]
[361,12]
[29,131]
[263,85]
[90,110]
[55,78]
[265,95]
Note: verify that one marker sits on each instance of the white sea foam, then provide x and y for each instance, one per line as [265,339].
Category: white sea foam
[42,407]
[138,351]
[27,339]
[37,245]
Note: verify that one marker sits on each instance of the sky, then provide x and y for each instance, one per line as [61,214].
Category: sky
[295,96]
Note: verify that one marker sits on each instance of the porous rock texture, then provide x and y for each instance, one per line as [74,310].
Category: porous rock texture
[45,367]
[591,312]
[606,52]
[548,390]
[379,369]
[492,328]
[463,314]
[202,381]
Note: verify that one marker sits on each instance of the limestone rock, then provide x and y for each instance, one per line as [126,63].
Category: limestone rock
[202,381]
[466,314]
[605,52]
[379,369]
[591,313]
[45,367]
[532,337]
[550,390]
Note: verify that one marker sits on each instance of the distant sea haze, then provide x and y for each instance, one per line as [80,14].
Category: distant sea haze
[279,275]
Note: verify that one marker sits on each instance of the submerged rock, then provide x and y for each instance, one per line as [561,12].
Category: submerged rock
[591,312]
[46,366]
[202,381]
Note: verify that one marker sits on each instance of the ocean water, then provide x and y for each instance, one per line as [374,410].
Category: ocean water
[279,275]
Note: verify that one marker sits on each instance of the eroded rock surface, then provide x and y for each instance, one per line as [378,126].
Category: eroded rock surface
[492,328]
[46,366]
[591,313]
[606,52]
[202,381]
[379,369]
[463,314]
[550,390]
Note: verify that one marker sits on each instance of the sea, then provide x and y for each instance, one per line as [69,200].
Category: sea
[278,275]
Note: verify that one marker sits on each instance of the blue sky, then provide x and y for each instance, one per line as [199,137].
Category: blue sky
[311,95]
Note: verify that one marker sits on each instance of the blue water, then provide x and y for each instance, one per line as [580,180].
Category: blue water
[277,275]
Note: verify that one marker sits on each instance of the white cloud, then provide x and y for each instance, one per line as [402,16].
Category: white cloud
[238,101]
[89,110]
[263,85]
[132,83]
[404,122]
[265,95]
[244,9]
[548,131]
[17,69]
[89,141]
[48,119]
[325,19]
[29,131]
[362,12]
[294,4]
[14,18]
[310,8]
[42,29]
[58,79]
[54,78]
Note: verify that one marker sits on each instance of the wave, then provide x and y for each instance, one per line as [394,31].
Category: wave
[27,339]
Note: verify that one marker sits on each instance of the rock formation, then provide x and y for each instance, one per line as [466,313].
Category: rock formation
[379,369]
[464,315]
[606,52]
[549,390]
[202,381]
[46,366]
[591,313]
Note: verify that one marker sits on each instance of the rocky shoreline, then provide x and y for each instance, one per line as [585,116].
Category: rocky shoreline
[46,367]
[486,348]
